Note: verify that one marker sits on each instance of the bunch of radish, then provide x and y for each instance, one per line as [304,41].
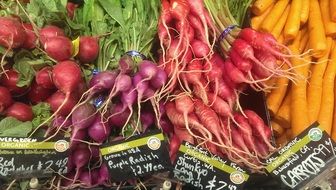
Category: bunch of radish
[203,88]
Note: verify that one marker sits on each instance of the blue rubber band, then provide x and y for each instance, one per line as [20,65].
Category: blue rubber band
[95,72]
[134,53]
[97,102]
[226,32]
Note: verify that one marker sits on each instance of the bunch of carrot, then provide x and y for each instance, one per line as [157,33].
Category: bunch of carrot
[308,28]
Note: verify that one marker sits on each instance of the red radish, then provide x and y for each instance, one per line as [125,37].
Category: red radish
[259,128]
[71,7]
[246,131]
[194,76]
[239,141]
[266,59]
[88,49]
[197,9]
[234,73]
[12,34]
[174,145]
[58,48]
[5,98]
[220,106]
[31,39]
[225,92]
[200,49]
[178,119]
[10,80]
[241,63]
[99,131]
[20,111]
[263,41]
[38,94]
[50,31]
[175,49]
[197,25]
[66,76]
[215,72]
[43,78]
[209,119]
[261,147]
[165,19]
[61,104]
[182,133]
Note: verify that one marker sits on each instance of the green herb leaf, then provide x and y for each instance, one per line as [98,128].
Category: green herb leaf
[14,128]
[114,9]
[26,71]
[42,112]
[24,185]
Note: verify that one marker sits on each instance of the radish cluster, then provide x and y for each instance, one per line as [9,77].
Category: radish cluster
[204,88]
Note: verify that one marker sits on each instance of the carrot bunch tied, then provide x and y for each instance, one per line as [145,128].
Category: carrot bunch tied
[202,92]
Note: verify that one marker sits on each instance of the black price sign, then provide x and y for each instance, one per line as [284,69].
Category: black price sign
[304,158]
[202,170]
[137,156]
[28,157]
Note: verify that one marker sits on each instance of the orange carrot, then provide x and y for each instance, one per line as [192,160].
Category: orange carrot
[282,117]
[333,10]
[258,19]
[275,14]
[260,6]
[304,12]
[281,23]
[293,21]
[325,116]
[329,25]
[314,90]
[317,37]
[299,108]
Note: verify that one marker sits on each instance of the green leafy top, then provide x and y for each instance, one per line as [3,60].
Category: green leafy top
[11,127]
[122,25]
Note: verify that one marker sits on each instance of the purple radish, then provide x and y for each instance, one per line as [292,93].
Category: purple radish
[99,131]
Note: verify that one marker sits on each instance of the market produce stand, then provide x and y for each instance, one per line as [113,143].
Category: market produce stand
[167,94]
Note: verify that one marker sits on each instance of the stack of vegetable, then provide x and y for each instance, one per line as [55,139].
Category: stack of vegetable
[306,27]
[88,72]
[203,87]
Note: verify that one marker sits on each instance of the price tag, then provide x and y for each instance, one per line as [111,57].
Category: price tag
[304,158]
[202,170]
[137,156]
[29,157]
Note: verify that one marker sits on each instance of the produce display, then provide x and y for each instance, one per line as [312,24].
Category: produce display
[97,73]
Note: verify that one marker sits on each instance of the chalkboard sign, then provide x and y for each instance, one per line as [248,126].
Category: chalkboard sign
[303,158]
[137,156]
[197,167]
[28,157]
